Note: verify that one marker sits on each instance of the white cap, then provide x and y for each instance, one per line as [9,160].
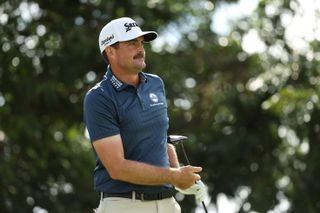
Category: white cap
[122,29]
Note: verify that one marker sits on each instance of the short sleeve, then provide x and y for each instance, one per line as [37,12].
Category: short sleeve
[100,116]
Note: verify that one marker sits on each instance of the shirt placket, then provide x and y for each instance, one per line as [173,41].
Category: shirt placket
[142,99]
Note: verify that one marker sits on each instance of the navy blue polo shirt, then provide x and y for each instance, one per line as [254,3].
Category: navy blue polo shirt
[139,115]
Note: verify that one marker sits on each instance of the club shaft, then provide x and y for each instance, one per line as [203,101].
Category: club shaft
[188,162]
[185,154]
[204,207]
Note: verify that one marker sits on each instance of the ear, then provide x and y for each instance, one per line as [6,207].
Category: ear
[109,51]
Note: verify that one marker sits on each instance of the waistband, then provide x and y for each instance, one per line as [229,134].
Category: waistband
[140,196]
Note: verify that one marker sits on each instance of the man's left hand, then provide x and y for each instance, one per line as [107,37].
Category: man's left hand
[198,189]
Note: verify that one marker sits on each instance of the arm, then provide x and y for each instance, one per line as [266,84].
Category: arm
[173,158]
[111,154]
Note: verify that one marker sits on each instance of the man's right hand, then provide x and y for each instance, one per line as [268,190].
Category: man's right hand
[185,176]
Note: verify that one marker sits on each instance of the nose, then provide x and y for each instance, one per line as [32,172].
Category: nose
[141,46]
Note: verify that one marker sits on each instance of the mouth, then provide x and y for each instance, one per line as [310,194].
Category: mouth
[139,56]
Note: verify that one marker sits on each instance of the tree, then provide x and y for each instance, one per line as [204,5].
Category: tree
[251,117]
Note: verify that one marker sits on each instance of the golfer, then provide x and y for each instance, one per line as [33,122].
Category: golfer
[126,117]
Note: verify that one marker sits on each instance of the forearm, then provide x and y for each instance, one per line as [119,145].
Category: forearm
[142,173]
[146,174]
[173,158]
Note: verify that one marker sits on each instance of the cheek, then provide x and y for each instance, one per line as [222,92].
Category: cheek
[124,54]
[121,55]
[124,58]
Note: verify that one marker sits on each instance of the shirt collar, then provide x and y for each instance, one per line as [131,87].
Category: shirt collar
[119,85]
[143,77]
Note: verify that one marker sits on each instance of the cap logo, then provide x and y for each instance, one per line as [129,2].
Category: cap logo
[107,40]
[130,25]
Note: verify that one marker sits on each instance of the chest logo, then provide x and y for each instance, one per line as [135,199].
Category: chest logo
[154,98]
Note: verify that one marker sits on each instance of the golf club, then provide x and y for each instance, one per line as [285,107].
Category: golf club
[178,140]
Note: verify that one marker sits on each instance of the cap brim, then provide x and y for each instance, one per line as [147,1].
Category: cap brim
[149,36]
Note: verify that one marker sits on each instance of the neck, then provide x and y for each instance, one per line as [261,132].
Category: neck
[127,77]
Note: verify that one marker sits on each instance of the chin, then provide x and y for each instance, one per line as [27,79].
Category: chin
[141,66]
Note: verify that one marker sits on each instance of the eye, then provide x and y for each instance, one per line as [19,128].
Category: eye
[133,42]
[136,43]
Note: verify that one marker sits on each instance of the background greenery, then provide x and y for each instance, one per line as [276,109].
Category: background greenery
[252,118]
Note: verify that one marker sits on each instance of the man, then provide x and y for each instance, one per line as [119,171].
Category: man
[126,117]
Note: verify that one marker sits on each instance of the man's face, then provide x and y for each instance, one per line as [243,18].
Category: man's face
[130,55]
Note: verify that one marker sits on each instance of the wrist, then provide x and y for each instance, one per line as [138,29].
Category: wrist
[172,176]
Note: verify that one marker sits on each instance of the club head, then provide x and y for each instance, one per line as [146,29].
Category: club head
[176,139]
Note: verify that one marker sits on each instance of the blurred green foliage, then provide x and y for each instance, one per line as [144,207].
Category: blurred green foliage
[252,118]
